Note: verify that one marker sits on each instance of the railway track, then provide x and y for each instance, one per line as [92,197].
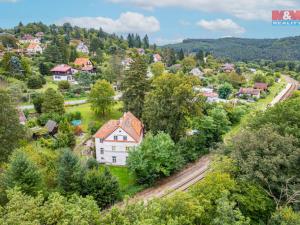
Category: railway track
[289,92]
[195,172]
[178,182]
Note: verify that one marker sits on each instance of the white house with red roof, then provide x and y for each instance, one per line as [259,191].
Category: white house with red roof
[114,139]
[157,58]
[62,72]
[34,48]
[84,64]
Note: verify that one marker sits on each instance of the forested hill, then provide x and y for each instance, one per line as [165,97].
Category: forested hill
[244,49]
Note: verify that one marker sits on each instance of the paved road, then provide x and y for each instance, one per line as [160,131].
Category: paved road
[70,103]
[67,103]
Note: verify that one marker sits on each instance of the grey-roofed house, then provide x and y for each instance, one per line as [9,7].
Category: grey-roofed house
[52,127]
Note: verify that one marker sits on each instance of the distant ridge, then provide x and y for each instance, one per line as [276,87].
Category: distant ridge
[244,49]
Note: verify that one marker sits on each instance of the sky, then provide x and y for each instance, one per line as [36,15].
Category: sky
[165,21]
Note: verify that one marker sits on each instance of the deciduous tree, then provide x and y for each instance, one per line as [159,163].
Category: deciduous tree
[101,97]
[156,157]
[53,102]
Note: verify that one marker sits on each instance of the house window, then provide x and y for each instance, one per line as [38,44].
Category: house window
[114,159]
[101,151]
[101,140]
[124,138]
[115,138]
[57,77]
[113,148]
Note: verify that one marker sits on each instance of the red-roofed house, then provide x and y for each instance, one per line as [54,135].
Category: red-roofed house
[261,86]
[28,38]
[157,58]
[34,48]
[62,72]
[227,67]
[116,137]
[251,92]
[84,64]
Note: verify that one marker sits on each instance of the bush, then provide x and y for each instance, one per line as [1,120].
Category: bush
[73,116]
[92,163]
[43,118]
[192,147]
[64,85]
[31,123]
[93,127]
[34,82]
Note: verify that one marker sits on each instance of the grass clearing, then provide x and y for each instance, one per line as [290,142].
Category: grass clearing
[89,116]
[255,108]
[126,180]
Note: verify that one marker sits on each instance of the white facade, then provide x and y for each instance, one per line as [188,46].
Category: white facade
[82,48]
[58,77]
[35,50]
[34,40]
[113,149]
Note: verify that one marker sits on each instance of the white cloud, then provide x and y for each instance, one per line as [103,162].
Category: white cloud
[127,22]
[243,9]
[165,41]
[223,25]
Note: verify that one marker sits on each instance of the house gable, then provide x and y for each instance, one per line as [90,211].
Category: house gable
[119,133]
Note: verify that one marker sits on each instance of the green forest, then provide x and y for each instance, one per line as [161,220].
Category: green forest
[244,49]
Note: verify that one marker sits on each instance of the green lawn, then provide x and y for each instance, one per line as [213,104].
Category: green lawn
[126,180]
[88,115]
[256,107]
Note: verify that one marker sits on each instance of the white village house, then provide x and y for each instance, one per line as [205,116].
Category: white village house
[62,72]
[27,38]
[197,73]
[116,137]
[82,48]
[34,48]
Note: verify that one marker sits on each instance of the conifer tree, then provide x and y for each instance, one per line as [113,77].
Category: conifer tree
[22,173]
[70,173]
[135,86]
[10,129]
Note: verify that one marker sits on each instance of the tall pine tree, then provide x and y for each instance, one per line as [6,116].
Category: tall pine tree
[135,86]
[146,42]
[22,173]
[70,173]
[10,129]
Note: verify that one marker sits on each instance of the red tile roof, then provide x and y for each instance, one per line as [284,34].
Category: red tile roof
[33,46]
[63,68]
[249,91]
[261,86]
[81,61]
[210,94]
[128,122]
